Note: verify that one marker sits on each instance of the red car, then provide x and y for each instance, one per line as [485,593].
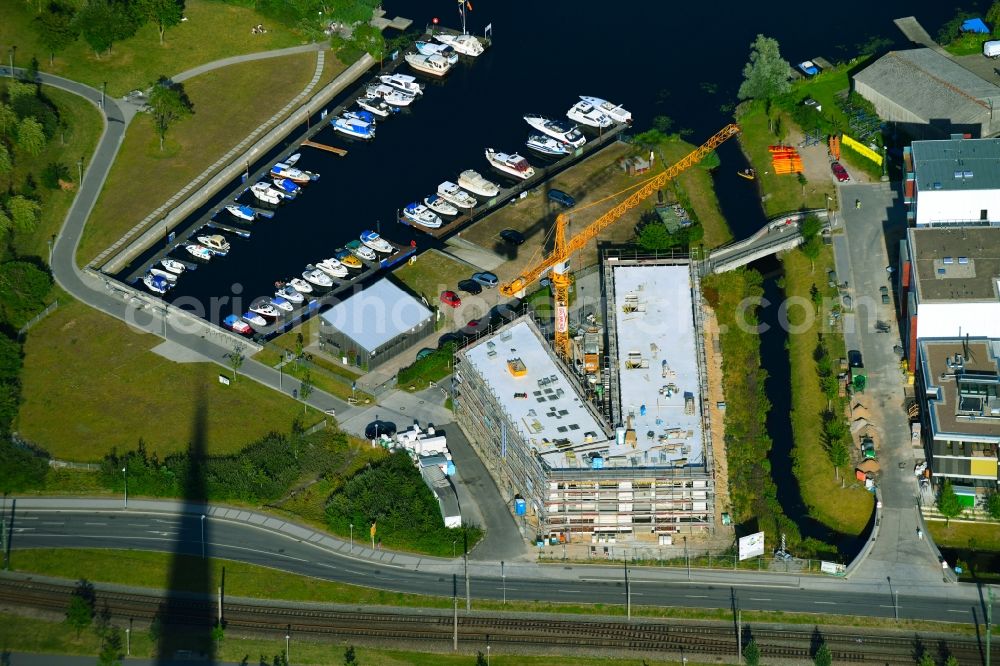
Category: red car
[450,298]
[473,323]
[840,172]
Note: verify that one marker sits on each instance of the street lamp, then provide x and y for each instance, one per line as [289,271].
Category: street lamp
[287,636]
[125,476]
[352,536]
[128,642]
[79,170]
[487,654]
[503,577]
[12,49]
[104,84]
[202,536]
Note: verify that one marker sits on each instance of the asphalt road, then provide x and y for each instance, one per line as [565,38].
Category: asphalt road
[523,581]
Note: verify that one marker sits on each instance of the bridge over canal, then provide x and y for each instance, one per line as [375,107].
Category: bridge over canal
[780,233]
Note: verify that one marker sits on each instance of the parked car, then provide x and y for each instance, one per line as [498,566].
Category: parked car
[472,325]
[854,359]
[486,279]
[450,338]
[840,172]
[512,236]
[562,198]
[450,298]
[470,287]
[424,353]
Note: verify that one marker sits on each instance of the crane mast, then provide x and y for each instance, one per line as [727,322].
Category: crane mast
[558,259]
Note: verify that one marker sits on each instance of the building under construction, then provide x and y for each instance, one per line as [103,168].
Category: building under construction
[608,450]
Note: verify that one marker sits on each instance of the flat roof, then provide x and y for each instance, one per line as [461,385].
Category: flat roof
[931,86]
[377,314]
[542,403]
[659,382]
[955,263]
[940,374]
[956,164]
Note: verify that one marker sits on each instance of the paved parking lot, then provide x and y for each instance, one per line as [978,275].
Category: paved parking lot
[865,242]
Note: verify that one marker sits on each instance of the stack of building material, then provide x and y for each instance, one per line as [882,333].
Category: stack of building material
[785,159]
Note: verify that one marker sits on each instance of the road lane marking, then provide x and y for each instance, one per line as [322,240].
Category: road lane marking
[828,603]
[97,524]
[53,523]
[696,596]
[952,610]
[759,599]
[570,591]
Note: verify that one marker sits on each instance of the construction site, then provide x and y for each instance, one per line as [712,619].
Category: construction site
[602,435]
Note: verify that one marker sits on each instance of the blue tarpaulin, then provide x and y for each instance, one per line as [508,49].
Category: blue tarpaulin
[975,25]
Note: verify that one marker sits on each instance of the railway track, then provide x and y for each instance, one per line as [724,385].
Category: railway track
[434,629]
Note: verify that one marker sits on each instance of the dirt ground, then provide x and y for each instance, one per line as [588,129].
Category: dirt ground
[713,381]
[534,216]
[816,160]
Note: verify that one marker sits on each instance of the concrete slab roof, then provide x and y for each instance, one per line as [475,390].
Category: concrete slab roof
[956,164]
[970,420]
[955,263]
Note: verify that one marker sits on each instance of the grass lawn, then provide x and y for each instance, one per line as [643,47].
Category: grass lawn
[324,374]
[848,509]
[696,184]
[228,106]
[150,570]
[432,273]
[213,30]
[90,383]
[783,192]
[959,535]
[85,128]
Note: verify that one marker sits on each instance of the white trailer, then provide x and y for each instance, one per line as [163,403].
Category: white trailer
[991,49]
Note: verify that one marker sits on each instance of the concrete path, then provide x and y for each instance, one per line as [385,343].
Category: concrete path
[862,254]
[247,57]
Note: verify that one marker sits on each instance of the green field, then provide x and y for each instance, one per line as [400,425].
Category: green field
[846,510]
[983,536]
[90,383]
[696,184]
[432,273]
[85,126]
[228,106]
[214,30]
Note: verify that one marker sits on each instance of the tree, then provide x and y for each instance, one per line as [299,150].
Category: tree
[993,17]
[767,74]
[926,659]
[952,660]
[480,659]
[30,136]
[111,648]
[236,358]
[24,213]
[654,236]
[823,657]
[8,121]
[56,28]
[168,104]
[751,654]
[369,39]
[306,388]
[810,226]
[96,23]
[164,13]
[811,249]
[80,612]
[350,659]
[663,124]
[993,505]
[6,164]
[839,455]
[948,503]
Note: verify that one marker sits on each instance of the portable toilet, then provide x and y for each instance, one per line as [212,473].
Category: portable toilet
[520,506]
[597,462]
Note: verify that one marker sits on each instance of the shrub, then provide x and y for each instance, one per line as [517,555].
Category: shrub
[53,173]
[20,467]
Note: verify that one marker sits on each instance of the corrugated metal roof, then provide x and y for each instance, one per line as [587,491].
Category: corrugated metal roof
[957,164]
[931,86]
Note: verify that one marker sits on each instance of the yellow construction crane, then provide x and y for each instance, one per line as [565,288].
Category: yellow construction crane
[558,260]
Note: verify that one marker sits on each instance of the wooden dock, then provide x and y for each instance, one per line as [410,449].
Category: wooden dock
[323,146]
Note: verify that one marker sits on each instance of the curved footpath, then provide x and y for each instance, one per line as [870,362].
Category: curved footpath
[237,534]
[97,294]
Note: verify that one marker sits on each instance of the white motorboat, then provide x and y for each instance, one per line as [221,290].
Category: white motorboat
[264,308]
[287,187]
[199,251]
[440,205]
[281,170]
[282,303]
[315,276]
[377,106]
[454,194]
[376,242]
[332,267]
[404,82]
[292,159]
[361,251]
[217,243]
[419,214]
[254,319]
[289,294]
[300,285]
[586,113]
[389,95]
[355,127]
[443,50]
[155,283]
[510,163]
[477,184]
[557,129]
[613,111]
[173,265]
[465,44]
[241,212]
[264,192]
[166,275]
[234,323]
[546,145]
[434,65]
